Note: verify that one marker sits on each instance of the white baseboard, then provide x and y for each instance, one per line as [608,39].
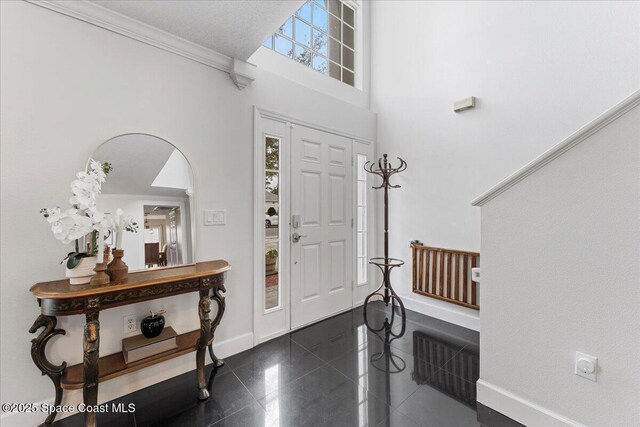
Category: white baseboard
[233,346]
[520,409]
[461,316]
[270,336]
[132,382]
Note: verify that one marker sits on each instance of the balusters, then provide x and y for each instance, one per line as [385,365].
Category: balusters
[445,274]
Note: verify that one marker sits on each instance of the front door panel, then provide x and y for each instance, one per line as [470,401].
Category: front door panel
[321,267]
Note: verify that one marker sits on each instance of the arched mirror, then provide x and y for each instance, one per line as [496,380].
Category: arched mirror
[152,182]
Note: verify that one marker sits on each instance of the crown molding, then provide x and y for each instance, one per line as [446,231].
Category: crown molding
[242,73]
[102,17]
[573,140]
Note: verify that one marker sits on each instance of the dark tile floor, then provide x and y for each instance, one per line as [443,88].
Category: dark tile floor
[342,371]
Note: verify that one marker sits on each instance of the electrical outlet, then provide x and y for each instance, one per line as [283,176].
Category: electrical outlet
[130,323]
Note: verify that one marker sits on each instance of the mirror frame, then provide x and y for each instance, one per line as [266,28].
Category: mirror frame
[191,196]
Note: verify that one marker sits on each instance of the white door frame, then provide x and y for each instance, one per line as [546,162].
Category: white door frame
[182,239]
[360,146]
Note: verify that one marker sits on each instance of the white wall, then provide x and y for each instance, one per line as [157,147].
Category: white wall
[560,274]
[68,86]
[540,70]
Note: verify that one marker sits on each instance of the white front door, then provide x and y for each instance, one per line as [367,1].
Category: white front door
[321,198]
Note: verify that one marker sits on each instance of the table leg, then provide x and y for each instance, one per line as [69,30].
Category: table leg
[219,299]
[91,343]
[204,308]
[39,357]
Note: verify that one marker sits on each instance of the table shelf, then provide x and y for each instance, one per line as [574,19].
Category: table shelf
[113,365]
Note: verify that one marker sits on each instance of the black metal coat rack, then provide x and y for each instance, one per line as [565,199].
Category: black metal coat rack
[385,170]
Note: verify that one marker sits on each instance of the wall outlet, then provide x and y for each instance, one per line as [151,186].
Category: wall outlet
[586,366]
[130,323]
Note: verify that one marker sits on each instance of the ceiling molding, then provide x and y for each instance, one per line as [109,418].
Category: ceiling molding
[134,29]
[585,132]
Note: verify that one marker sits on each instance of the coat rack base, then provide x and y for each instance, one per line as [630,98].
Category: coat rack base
[385,290]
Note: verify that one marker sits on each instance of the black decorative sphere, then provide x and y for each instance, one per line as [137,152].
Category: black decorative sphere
[152,326]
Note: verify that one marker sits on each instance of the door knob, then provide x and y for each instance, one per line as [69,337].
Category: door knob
[295,237]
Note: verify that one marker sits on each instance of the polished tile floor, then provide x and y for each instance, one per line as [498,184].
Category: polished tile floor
[344,371]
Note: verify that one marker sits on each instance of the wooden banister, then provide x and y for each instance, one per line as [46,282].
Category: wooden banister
[445,274]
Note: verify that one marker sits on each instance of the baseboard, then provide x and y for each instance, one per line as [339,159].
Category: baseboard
[233,346]
[130,383]
[519,408]
[461,316]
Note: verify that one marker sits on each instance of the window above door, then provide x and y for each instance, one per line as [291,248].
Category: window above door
[321,35]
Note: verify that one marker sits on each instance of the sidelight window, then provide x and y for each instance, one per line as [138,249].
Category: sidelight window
[272,223]
[361,220]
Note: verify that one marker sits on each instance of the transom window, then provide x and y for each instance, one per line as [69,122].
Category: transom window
[321,35]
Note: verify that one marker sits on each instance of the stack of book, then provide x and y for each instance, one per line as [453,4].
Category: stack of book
[139,347]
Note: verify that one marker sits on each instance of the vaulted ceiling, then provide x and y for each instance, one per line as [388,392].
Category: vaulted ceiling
[233,28]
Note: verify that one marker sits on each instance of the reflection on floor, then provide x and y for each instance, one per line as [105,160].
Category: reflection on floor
[343,371]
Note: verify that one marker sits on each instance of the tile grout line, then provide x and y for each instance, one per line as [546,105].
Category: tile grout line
[244,407]
[364,388]
[323,360]
[420,387]
[307,350]
[291,383]
[252,349]
[323,363]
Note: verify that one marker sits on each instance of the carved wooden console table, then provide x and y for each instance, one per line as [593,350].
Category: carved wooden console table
[58,298]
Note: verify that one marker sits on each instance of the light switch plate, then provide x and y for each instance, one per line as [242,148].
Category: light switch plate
[215,217]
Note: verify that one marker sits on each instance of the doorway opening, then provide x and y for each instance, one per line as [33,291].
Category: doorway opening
[163,236]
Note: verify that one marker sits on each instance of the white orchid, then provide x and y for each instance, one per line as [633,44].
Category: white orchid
[87,186]
[68,225]
[72,224]
[102,222]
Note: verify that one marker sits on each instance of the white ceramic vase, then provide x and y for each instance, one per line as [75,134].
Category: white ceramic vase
[83,272]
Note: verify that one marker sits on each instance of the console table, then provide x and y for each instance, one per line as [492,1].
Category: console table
[59,298]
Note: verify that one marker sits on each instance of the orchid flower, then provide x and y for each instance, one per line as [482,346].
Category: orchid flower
[102,222]
[68,225]
[83,218]
[87,186]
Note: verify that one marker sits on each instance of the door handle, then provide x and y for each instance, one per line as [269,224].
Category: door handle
[295,237]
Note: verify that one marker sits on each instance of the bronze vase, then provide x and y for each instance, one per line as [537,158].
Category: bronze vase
[117,269]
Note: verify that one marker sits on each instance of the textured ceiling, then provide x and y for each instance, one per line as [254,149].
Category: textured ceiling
[235,28]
